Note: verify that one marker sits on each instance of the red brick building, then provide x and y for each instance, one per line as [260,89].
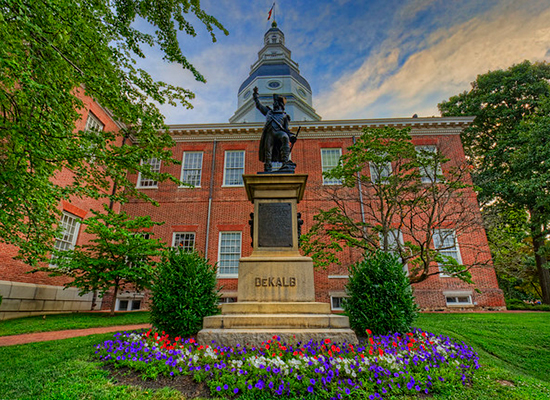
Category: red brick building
[213,216]
[27,294]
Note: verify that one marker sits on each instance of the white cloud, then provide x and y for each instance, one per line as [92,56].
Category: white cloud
[449,59]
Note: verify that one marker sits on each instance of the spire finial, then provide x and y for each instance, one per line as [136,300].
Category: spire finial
[274,24]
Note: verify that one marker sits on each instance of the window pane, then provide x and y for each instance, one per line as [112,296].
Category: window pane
[234,168]
[136,304]
[429,172]
[154,164]
[192,168]
[230,253]
[70,226]
[379,172]
[93,123]
[185,240]
[330,159]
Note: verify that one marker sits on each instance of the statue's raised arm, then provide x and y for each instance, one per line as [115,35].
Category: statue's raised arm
[263,109]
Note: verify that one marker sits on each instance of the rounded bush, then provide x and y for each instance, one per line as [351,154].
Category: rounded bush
[380,295]
[184,292]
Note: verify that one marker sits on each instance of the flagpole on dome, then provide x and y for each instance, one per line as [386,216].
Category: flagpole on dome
[271,12]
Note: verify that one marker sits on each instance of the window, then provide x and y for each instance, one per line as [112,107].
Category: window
[191,168]
[330,159]
[445,243]
[229,253]
[429,172]
[458,299]
[234,168]
[337,303]
[70,225]
[185,240]
[128,305]
[395,239]
[93,123]
[379,173]
[227,300]
[154,164]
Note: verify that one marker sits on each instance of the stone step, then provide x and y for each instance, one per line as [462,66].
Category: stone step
[276,321]
[276,308]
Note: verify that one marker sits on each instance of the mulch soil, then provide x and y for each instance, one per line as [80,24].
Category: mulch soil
[182,383]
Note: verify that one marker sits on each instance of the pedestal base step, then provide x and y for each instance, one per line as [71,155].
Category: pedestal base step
[255,337]
[276,321]
[256,307]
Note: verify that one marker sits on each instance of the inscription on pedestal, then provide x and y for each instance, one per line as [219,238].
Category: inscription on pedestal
[275,281]
[275,225]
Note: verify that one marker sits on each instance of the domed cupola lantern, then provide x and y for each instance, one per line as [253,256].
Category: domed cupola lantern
[275,73]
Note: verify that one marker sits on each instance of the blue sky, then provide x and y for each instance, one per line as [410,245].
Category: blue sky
[362,58]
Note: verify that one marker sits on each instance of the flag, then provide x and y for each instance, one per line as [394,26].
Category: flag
[270,11]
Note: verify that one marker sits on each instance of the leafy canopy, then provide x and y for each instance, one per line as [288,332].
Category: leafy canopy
[508,146]
[53,53]
[119,255]
[396,197]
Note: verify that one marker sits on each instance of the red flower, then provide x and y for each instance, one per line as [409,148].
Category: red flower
[369,332]
[327,341]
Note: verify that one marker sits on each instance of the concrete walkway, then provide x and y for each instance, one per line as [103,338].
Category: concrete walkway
[57,335]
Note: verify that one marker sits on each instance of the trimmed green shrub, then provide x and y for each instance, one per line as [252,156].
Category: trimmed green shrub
[184,292]
[380,295]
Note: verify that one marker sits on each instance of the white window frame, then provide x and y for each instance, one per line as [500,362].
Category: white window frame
[220,261]
[457,296]
[382,176]
[338,308]
[93,123]
[428,175]
[131,302]
[73,222]
[67,219]
[325,166]
[175,243]
[183,169]
[225,168]
[394,236]
[438,245]
[227,300]
[155,167]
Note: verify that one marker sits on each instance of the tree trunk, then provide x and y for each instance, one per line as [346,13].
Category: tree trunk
[113,304]
[540,261]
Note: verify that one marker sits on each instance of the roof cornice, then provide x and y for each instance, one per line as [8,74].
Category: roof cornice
[315,129]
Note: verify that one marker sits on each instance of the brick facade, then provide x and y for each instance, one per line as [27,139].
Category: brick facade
[213,207]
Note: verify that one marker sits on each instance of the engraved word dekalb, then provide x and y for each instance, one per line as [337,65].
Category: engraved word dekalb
[274,282]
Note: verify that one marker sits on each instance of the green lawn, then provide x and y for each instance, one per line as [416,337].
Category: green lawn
[59,322]
[514,351]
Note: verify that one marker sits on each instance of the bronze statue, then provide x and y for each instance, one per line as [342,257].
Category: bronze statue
[276,136]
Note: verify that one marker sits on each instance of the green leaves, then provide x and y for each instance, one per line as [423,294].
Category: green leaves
[394,197]
[380,296]
[118,255]
[509,147]
[184,292]
[53,53]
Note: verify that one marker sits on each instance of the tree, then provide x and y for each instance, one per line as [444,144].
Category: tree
[508,145]
[119,255]
[55,51]
[412,199]
[512,251]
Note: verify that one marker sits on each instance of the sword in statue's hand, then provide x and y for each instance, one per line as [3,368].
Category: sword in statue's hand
[294,138]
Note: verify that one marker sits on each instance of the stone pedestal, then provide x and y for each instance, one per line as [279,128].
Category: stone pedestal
[276,293]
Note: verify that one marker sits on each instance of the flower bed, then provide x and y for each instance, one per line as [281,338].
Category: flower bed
[417,362]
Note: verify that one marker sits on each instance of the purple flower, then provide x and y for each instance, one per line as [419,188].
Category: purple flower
[218,388]
[236,390]
[310,389]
